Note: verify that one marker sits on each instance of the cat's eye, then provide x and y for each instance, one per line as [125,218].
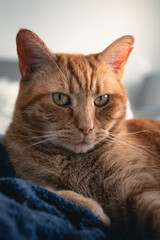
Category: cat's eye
[61,99]
[101,100]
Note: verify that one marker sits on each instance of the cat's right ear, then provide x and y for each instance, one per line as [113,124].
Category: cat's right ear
[32,52]
[115,56]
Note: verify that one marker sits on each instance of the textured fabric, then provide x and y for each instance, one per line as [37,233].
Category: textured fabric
[28,211]
[6,169]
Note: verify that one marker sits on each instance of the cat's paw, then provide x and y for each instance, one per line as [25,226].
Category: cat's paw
[88,203]
[97,210]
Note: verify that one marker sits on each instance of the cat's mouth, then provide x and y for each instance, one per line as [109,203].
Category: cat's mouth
[81,147]
[85,143]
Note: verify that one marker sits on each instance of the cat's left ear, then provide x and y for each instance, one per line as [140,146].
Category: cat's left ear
[115,56]
[32,52]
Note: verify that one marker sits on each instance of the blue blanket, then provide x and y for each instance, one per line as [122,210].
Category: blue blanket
[28,211]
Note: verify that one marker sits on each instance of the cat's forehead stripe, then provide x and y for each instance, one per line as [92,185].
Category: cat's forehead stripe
[74,73]
[94,83]
[81,71]
[92,67]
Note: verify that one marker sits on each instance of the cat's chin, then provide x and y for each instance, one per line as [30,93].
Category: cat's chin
[79,148]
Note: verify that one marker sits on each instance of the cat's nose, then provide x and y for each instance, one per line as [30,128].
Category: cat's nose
[85,130]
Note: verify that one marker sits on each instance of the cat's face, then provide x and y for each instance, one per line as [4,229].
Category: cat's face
[75,100]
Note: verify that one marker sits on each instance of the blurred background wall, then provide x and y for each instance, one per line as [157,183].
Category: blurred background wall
[87,27]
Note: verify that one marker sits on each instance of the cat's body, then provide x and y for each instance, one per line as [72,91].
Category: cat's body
[86,146]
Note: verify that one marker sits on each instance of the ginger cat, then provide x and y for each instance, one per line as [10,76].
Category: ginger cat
[69,134]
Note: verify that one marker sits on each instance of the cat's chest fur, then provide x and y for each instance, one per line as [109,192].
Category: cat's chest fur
[94,174]
[62,169]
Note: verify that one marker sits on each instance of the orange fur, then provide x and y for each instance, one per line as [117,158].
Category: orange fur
[90,155]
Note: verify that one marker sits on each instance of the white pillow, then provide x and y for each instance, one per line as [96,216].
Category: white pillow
[8,94]
[129,113]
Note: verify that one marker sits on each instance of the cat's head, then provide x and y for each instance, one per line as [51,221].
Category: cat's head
[74,100]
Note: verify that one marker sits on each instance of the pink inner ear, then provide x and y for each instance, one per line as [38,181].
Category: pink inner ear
[26,57]
[30,49]
[119,61]
[115,56]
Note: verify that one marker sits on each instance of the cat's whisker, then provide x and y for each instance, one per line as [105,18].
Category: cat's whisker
[58,88]
[138,145]
[143,131]
[120,141]
[61,84]
[64,77]
[43,134]
[26,111]
[138,132]
[26,128]
[51,58]
[134,147]
[142,147]
[130,140]
[32,137]
[36,143]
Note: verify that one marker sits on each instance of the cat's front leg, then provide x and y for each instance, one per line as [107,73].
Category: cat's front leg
[88,203]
